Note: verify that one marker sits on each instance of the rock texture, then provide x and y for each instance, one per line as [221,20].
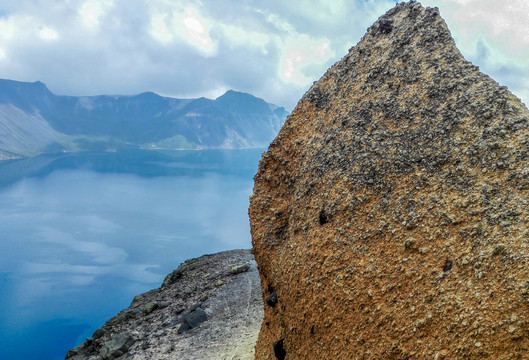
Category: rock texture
[208,308]
[390,215]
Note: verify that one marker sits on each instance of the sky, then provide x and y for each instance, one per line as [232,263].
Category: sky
[273,49]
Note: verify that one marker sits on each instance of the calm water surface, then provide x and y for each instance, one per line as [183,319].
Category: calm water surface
[81,234]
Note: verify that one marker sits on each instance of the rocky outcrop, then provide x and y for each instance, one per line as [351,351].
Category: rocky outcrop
[208,308]
[390,216]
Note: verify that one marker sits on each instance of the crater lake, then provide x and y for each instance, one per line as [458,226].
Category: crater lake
[82,233]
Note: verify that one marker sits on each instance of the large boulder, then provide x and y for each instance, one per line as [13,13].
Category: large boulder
[390,215]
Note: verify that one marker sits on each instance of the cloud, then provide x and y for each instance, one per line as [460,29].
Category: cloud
[48,33]
[45,280]
[95,252]
[181,23]
[93,11]
[273,49]
[298,53]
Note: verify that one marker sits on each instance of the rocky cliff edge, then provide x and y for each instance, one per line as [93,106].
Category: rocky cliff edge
[208,308]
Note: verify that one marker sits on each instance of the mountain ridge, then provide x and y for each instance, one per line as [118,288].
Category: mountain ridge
[146,120]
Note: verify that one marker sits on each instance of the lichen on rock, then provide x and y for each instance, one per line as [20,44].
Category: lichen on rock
[390,215]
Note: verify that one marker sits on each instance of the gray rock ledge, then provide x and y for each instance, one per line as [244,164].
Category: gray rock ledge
[204,310]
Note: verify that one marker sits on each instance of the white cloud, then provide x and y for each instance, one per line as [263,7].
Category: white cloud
[40,279]
[297,50]
[47,33]
[182,23]
[238,37]
[97,252]
[92,12]
[17,27]
[197,31]
[273,49]
[7,28]
[158,28]
[280,23]
[297,53]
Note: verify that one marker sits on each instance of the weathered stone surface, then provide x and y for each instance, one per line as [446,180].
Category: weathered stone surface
[116,347]
[237,269]
[390,215]
[193,319]
[200,289]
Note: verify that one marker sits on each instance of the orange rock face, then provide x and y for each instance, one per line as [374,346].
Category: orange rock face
[390,216]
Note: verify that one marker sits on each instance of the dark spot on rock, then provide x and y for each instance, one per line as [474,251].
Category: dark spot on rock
[98,333]
[116,347]
[279,350]
[319,97]
[312,330]
[448,265]
[386,26]
[150,307]
[183,328]
[132,313]
[174,276]
[178,311]
[280,232]
[192,320]
[272,299]
[164,304]
[195,306]
[323,217]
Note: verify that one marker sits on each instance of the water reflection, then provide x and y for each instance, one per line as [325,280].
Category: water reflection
[79,237]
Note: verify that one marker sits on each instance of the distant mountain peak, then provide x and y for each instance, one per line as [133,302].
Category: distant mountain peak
[29,111]
[14,85]
[233,94]
[241,101]
[149,94]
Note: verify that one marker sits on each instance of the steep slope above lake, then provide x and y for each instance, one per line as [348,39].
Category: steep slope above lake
[208,308]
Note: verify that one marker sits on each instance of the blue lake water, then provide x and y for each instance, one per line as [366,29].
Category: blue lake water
[82,233]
